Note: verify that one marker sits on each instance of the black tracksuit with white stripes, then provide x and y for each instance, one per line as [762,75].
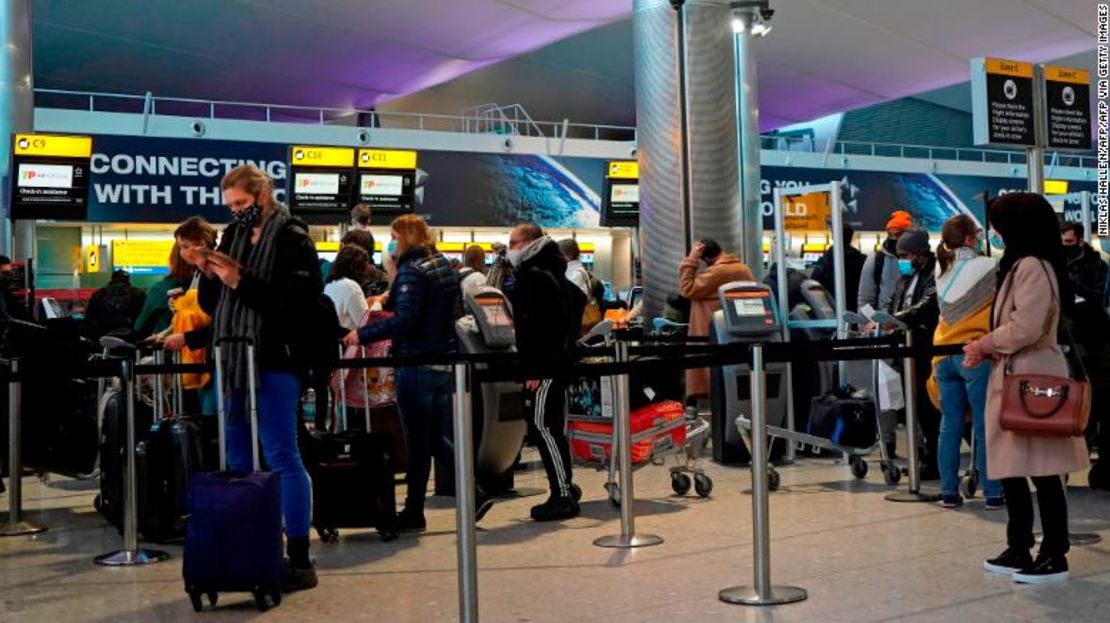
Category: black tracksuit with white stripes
[547,323]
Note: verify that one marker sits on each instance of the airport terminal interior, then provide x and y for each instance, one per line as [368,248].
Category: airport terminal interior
[554,310]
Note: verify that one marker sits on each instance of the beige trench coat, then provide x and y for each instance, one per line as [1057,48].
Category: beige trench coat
[1025,317]
[701,289]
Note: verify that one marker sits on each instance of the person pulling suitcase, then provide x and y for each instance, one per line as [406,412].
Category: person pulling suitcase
[260,284]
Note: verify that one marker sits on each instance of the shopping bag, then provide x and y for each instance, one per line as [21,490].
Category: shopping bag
[890,388]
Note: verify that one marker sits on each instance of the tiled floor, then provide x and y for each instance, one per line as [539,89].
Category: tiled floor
[860,557]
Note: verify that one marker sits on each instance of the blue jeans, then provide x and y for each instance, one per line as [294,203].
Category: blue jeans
[424,400]
[962,389]
[278,397]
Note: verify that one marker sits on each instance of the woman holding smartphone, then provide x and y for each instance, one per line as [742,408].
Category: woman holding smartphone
[260,283]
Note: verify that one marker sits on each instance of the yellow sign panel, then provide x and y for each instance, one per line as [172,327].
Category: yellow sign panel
[809,212]
[327,247]
[1055,187]
[1067,74]
[624,170]
[1005,67]
[144,253]
[92,258]
[52,145]
[312,156]
[395,159]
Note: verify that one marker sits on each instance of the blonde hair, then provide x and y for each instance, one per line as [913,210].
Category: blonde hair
[412,231]
[250,179]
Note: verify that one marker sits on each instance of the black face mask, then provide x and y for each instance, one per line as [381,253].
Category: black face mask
[248,217]
[1072,251]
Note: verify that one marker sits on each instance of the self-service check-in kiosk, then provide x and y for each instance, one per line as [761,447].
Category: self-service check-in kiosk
[499,426]
[748,315]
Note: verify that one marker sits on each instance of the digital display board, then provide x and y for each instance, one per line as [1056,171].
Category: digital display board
[387,182]
[1002,102]
[622,195]
[321,182]
[50,178]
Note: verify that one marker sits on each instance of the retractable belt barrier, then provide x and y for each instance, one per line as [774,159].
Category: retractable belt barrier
[648,354]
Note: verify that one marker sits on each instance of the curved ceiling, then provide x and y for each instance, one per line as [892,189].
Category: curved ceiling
[559,58]
[340,53]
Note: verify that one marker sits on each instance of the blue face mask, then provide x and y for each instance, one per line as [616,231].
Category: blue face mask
[391,248]
[1105,244]
[905,267]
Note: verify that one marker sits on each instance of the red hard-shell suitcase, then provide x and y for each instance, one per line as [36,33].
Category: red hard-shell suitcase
[655,427]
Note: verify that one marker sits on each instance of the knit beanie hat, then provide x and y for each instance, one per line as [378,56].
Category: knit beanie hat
[914,242]
[900,220]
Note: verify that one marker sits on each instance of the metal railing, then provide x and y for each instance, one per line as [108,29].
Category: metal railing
[512,120]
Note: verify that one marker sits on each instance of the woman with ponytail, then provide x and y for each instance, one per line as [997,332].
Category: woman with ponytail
[965,290]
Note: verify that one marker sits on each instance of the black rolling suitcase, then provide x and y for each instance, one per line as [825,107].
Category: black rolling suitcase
[166,462]
[352,481]
[113,444]
[233,537]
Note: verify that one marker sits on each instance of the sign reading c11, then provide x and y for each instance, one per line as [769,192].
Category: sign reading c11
[50,177]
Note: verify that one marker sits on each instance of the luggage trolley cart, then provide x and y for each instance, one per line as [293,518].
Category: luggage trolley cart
[658,429]
[741,316]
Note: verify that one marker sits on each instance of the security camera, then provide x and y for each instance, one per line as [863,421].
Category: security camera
[197,128]
[632,152]
[363,136]
[507,144]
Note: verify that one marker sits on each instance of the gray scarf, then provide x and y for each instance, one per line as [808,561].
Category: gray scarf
[234,319]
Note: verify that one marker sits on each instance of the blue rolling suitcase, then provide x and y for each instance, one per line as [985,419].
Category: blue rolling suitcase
[233,538]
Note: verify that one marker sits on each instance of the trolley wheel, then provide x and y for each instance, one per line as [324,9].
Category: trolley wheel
[328,535]
[774,480]
[859,467]
[388,535]
[614,495]
[213,598]
[680,483]
[969,484]
[892,474]
[703,485]
[260,601]
[575,492]
[194,597]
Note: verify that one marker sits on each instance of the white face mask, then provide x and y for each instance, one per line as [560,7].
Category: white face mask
[514,257]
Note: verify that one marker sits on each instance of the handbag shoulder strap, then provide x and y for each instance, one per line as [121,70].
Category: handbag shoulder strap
[1007,285]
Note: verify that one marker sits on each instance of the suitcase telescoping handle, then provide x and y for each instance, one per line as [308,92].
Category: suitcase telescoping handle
[221,400]
[341,409]
[366,391]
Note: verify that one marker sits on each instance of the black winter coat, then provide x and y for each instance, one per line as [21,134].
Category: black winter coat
[284,301]
[853,265]
[547,309]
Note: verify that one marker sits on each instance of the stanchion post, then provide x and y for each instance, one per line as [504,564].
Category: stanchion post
[909,392]
[623,455]
[464,498]
[763,593]
[15,526]
[130,555]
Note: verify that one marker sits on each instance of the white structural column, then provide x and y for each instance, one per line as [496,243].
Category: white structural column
[17,106]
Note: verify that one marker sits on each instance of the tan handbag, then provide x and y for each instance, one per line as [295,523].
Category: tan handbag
[1044,405]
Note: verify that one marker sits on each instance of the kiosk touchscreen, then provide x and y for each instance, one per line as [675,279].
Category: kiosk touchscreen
[748,315]
[499,426]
